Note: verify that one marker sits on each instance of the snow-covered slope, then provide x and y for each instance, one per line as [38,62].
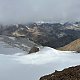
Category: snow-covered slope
[33,66]
[44,56]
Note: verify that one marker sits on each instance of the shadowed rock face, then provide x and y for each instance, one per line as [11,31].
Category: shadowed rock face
[33,50]
[72,73]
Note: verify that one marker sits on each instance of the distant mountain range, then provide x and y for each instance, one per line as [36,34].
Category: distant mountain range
[54,35]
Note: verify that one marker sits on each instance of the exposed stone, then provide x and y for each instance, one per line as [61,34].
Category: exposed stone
[72,73]
[33,50]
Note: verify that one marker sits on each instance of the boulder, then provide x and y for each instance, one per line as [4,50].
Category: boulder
[33,50]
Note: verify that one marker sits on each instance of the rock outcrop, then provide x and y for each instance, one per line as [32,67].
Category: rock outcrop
[33,50]
[72,73]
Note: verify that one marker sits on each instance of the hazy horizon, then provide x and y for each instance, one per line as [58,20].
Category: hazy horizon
[23,11]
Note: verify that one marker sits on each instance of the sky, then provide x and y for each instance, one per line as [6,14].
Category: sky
[23,11]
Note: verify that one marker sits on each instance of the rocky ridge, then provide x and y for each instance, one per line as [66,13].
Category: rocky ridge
[73,46]
[72,73]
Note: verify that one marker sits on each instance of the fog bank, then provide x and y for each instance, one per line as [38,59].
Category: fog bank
[23,11]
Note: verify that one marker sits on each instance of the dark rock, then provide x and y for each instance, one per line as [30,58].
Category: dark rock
[72,73]
[33,50]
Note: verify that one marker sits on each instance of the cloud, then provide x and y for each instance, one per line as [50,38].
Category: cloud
[23,11]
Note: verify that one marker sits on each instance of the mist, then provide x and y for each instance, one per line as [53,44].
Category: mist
[23,11]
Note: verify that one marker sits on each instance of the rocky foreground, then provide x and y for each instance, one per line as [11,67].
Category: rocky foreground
[72,73]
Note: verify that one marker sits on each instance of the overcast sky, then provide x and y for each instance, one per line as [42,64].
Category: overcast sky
[22,11]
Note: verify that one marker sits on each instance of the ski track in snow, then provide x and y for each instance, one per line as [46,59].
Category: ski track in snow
[33,66]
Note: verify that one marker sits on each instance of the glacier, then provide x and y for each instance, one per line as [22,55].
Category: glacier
[32,66]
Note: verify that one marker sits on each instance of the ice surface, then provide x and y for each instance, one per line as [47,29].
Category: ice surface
[33,66]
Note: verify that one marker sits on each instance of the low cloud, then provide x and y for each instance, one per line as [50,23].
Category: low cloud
[23,11]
